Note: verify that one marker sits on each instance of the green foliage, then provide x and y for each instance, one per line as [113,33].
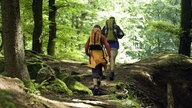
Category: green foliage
[165,27]
[75,20]
[27,21]
[6,100]
[127,98]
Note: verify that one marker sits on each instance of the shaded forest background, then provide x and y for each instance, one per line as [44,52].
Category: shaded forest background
[151,26]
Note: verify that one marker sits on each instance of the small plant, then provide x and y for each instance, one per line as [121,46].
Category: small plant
[125,97]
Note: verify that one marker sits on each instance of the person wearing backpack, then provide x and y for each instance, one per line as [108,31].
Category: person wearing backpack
[112,32]
[94,48]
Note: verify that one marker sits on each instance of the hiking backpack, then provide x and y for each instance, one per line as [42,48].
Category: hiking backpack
[95,40]
[111,31]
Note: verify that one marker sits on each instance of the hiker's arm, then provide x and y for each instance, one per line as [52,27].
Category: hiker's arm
[106,45]
[120,33]
[103,31]
[87,47]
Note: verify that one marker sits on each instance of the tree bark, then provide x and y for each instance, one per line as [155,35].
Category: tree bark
[185,38]
[52,28]
[15,64]
[37,32]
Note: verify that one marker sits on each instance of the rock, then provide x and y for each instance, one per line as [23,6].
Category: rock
[59,86]
[74,85]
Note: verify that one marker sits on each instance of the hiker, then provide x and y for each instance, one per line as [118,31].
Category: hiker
[112,32]
[94,48]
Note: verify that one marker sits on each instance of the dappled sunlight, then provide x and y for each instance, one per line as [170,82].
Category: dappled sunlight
[147,75]
[144,71]
[88,101]
[76,103]
[7,84]
[189,60]
[165,56]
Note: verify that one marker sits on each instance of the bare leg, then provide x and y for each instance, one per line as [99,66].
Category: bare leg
[114,52]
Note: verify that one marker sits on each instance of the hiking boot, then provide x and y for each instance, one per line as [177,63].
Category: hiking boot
[104,77]
[95,90]
[112,75]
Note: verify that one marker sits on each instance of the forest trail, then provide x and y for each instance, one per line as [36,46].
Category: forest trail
[56,100]
[14,86]
[103,100]
[108,88]
[145,81]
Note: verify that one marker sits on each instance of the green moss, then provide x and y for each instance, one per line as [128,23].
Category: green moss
[120,85]
[33,68]
[6,100]
[74,85]
[59,86]
[45,73]
[63,76]
[57,71]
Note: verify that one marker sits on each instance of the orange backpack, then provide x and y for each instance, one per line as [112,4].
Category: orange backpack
[95,39]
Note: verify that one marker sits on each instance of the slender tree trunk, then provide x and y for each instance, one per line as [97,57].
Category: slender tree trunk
[1,46]
[52,28]
[37,32]
[15,64]
[185,38]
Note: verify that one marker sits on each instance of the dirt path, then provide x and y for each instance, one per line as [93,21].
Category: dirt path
[104,99]
[16,88]
[135,75]
[53,100]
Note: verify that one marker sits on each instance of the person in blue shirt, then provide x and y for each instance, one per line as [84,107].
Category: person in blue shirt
[112,38]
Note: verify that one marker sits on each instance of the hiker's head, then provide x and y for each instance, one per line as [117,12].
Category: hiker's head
[97,26]
[112,18]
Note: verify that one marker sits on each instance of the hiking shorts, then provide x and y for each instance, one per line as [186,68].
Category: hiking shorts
[97,71]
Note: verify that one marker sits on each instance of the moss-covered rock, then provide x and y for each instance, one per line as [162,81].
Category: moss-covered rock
[63,76]
[57,71]
[59,86]
[74,85]
[45,73]
[33,68]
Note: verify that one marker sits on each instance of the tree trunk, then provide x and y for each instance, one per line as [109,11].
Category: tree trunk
[37,32]
[1,46]
[52,28]
[185,38]
[15,64]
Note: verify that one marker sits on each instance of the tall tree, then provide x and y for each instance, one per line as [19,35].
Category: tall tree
[52,28]
[15,64]
[186,17]
[37,31]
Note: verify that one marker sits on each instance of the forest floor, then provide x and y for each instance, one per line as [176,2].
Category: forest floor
[135,85]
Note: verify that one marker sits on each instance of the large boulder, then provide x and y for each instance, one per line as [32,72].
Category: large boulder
[150,78]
